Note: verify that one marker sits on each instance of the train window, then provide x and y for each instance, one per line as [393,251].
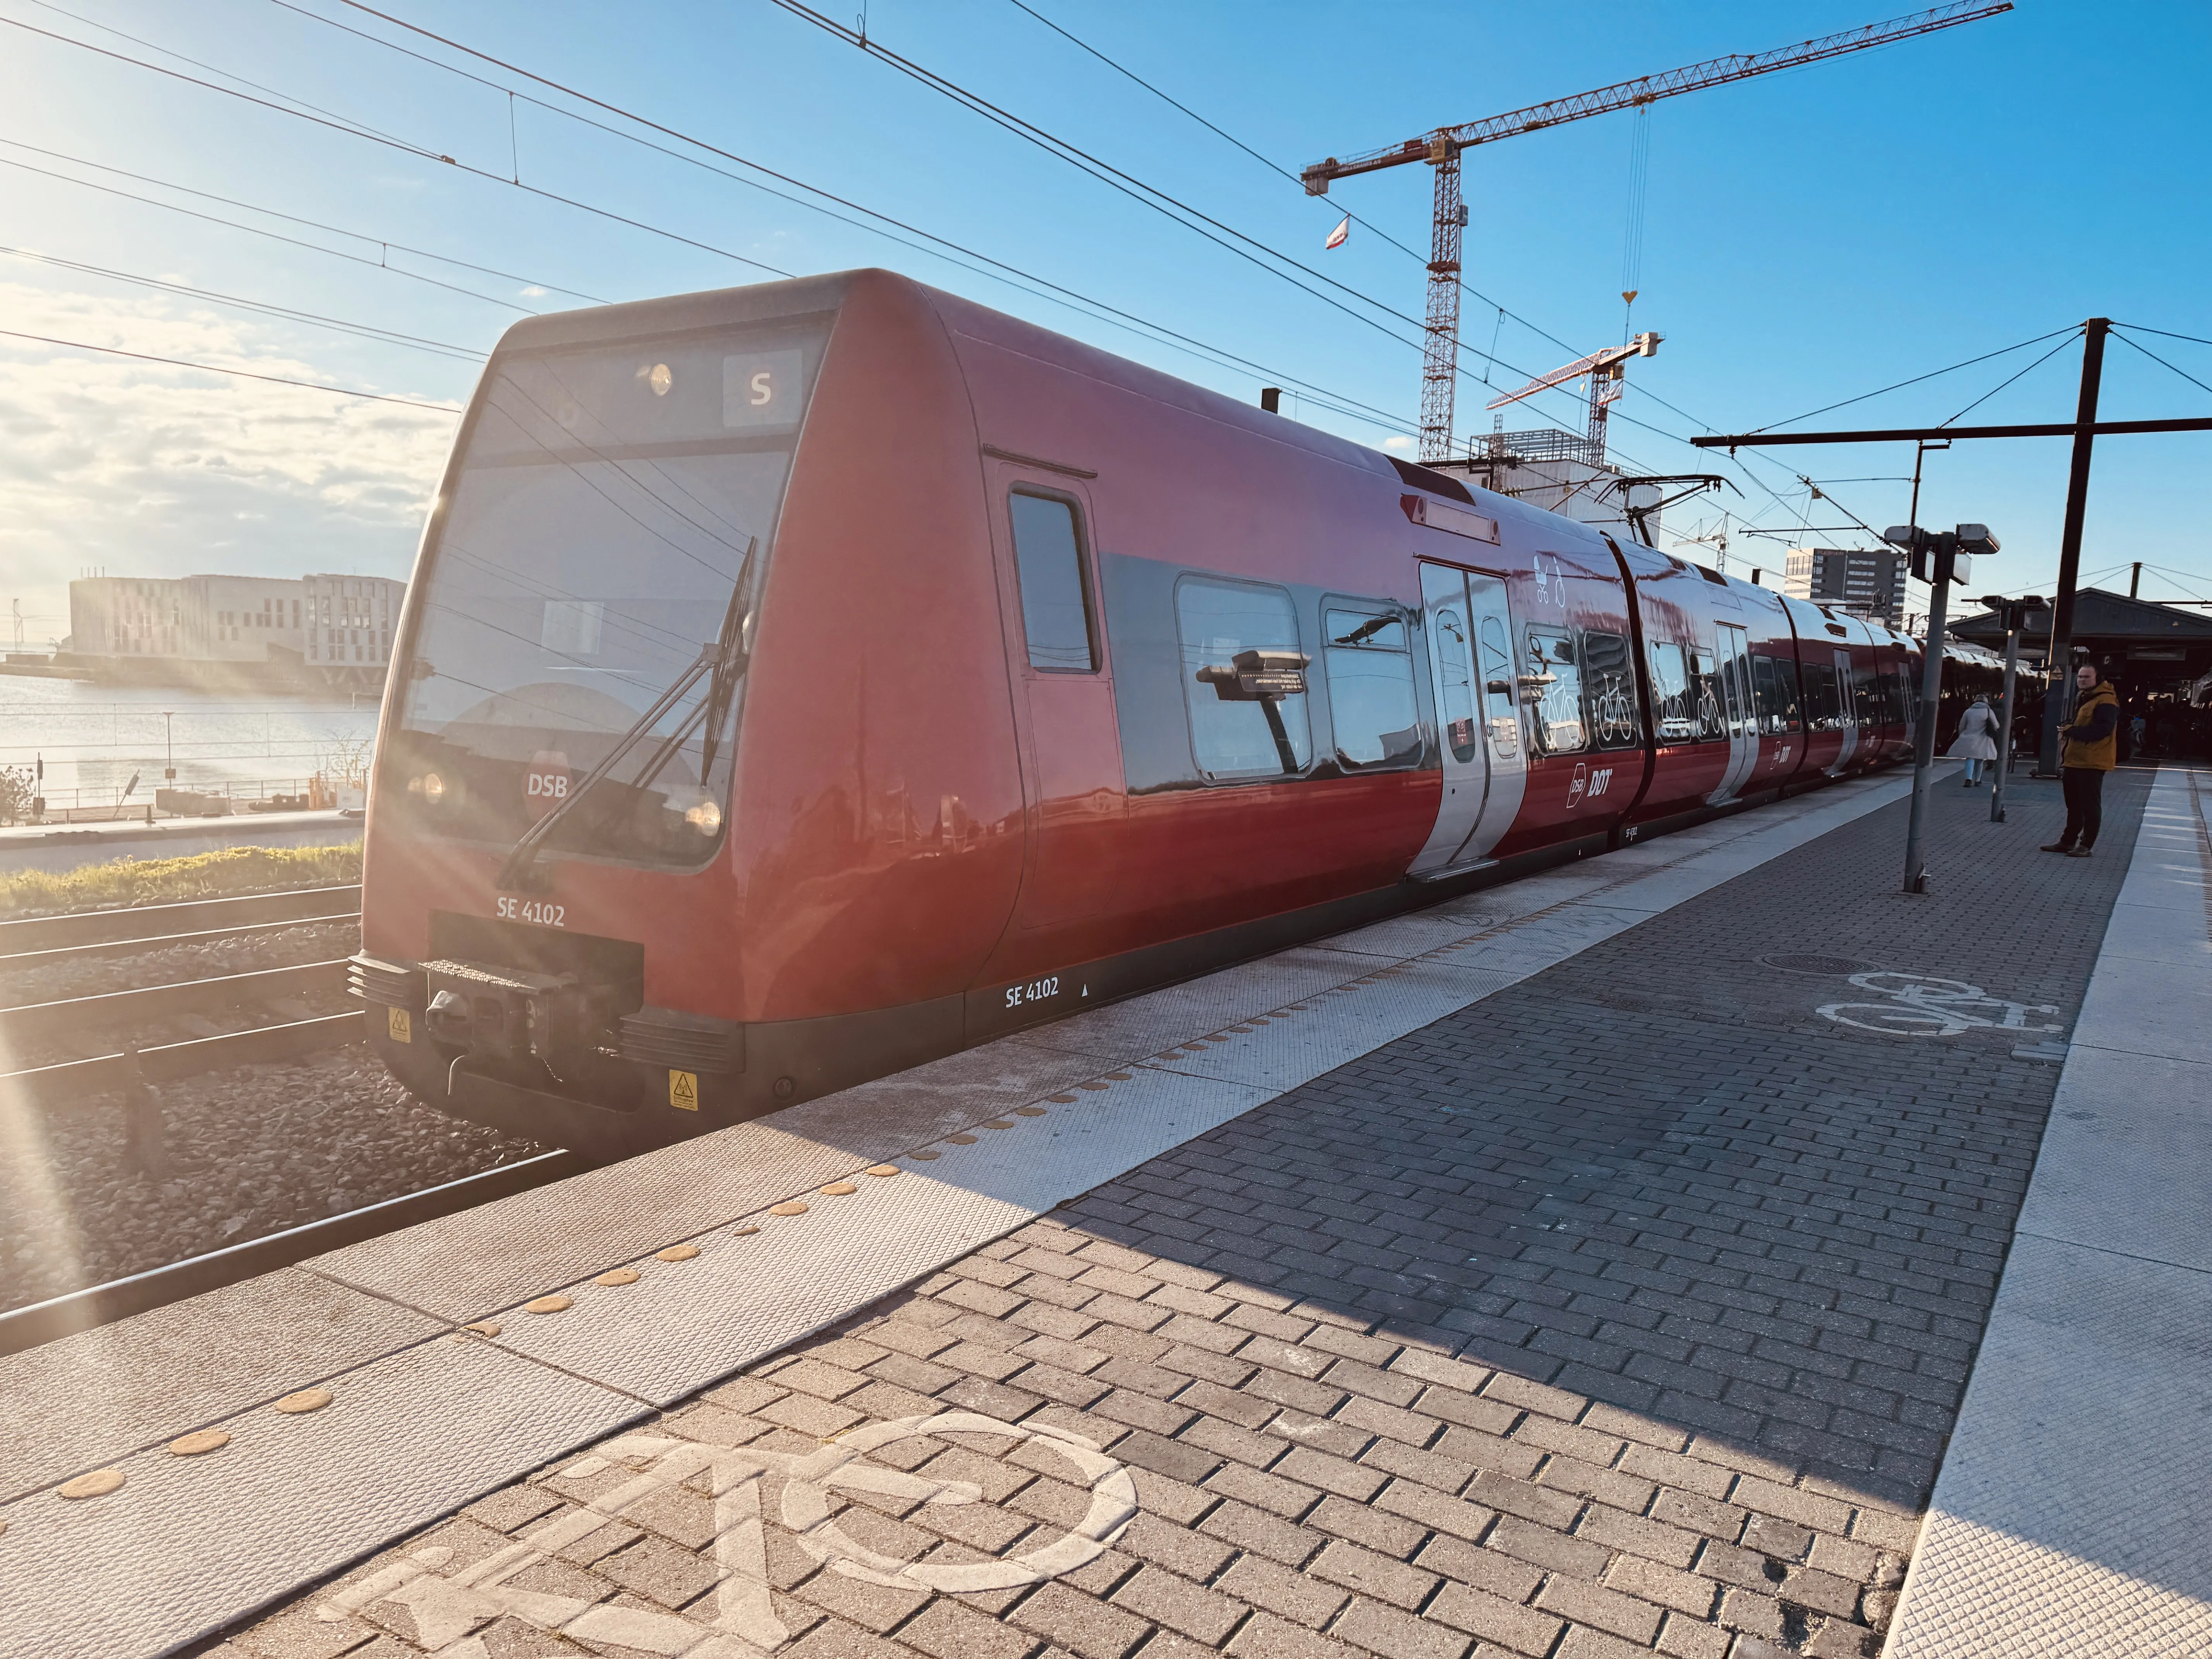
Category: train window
[1455,679]
[1233,737]
[1056,598]
[1822,711]
[1672,704]
[1774,686]
[1710,724]
[1611,682]
[1554,678]
[1498,689]
[1371,689]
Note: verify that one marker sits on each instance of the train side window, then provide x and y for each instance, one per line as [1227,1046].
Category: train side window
[1776,696]
[1820,707]
[1671,702]
[1371,689]
[1706,708]
[1055,598]
[1555,680]
[1616,721]
[1232,738]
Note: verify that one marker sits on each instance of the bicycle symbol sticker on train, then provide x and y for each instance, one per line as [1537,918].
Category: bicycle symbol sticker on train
[449,1604]
[1921,1005]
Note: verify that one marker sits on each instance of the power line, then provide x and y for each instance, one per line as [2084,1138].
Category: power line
[233,224]
[364,331]
[1264,162]
[2002,384]
[384,242]
[243,373]
[401,144]
[2162,363]
[1388,420]
[2072,328]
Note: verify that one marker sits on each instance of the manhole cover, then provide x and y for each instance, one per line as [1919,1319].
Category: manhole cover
[1815,964]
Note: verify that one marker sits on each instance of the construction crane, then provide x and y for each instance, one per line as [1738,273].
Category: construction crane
[1441,149]
[1607,384]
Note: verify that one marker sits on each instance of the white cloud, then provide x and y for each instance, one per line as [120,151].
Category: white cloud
[153,470]
[1403,443]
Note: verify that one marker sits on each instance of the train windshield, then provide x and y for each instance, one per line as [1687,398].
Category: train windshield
[610,521]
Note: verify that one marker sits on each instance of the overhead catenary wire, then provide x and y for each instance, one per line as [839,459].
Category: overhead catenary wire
[217,369]
[364,331]
[1332,400]
[2009,379]
[2162,363]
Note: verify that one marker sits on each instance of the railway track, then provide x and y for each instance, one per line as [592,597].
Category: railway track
[65,1090]
[39,941]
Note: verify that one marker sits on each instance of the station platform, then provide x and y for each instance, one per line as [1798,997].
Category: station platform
[1593,1266]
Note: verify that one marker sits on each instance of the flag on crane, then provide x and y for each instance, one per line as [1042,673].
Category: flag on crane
[1342,233]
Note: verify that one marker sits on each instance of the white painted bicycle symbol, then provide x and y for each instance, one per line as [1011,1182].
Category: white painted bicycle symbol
[1920,1005]
[448,1604]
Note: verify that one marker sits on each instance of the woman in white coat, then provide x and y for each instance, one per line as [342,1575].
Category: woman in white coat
[1977,742]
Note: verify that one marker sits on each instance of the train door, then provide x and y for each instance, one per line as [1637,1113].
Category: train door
[1071,741]
[1847,713]
[1733,670]
[1470,632]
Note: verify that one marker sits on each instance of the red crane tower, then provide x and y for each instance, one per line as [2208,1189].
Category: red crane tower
[1441,149]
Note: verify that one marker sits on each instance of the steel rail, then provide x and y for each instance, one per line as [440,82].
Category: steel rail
[73,1080]
[152,1002]
[121,947]
[102,1304]
[163,923]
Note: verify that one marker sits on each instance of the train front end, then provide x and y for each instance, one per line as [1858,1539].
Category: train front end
[559,740]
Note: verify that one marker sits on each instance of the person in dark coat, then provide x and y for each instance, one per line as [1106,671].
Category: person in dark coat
[2091,742]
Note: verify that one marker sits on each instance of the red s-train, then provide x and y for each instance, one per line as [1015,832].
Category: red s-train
[800,681]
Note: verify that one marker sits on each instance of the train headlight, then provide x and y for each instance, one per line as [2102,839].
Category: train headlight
[434,788]
[696,808]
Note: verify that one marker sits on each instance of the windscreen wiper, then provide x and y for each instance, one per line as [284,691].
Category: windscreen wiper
[722,658]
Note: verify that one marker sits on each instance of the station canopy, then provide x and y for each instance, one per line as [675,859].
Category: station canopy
[2148,645]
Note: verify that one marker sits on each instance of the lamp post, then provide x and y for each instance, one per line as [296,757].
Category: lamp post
[1939,558]
[2014,613]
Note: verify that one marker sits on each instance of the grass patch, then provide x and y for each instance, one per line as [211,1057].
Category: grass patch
[130,882]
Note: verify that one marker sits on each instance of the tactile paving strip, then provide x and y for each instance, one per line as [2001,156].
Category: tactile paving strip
[189,1544]
[2070,1515]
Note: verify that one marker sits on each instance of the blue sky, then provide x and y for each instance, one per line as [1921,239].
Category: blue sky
[1807,237]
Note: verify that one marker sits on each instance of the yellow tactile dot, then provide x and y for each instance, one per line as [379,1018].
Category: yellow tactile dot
[1028,1111]
[840,1189]
[483,1328]
[999,1123]
[789,1206]
[1117,1076]
[1061,1100]
[677,1252]
[554,1303]
[925,1156]
[883,1169]
[306,1400]
[201,1441]
[962,1141]
[97,1484]
[1240,1028]
[1092,1085]
[615,1276]
[745,1232]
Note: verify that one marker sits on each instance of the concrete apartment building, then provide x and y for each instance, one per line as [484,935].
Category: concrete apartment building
[1869,584]
[269,631]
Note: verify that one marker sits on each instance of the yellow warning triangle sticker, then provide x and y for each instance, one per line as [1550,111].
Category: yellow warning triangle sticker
[683,1090]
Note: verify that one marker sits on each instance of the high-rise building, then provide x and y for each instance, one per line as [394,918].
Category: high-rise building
[1870,583]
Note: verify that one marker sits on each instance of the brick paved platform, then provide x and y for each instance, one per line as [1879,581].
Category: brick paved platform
[1627,1310]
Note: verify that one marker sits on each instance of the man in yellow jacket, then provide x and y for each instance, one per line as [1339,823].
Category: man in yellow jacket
[2090,743]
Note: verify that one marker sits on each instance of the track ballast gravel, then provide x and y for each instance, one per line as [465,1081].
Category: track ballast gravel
[251,1151]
